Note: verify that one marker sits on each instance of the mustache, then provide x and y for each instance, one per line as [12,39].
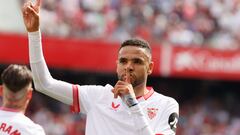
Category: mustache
[123,76]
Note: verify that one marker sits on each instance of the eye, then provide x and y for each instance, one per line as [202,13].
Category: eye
[137,61]
[122,61]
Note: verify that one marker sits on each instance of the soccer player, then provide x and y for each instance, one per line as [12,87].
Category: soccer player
[16,92]
[128,108]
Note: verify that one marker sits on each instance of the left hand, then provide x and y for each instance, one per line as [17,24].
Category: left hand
[31,15]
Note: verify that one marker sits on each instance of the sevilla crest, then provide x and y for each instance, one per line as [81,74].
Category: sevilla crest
[152,112]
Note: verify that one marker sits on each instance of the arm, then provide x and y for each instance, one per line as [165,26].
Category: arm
[43,81]
[166,124]
[42,78]
[125,90]
[140,121]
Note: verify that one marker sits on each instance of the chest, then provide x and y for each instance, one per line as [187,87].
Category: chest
[117,110]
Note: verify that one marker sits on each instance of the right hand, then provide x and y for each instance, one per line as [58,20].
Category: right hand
[125,90]
[31,15]
[122,88]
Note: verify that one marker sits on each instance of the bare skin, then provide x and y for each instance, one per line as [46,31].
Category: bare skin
[31,15]
[11,101]
[133,67]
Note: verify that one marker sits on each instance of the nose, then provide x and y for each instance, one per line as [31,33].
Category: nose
[129,67]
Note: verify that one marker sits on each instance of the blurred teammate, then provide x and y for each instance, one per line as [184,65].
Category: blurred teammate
[16,91]
[128,108]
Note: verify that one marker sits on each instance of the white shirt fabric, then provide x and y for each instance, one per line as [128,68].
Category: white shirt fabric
[16,123]
[155,113]
[109,116]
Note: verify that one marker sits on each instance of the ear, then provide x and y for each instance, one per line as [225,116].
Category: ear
[29,94]
[150,68]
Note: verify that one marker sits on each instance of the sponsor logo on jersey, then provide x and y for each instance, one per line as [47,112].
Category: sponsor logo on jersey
[172,121]
[114,106]
[152,112]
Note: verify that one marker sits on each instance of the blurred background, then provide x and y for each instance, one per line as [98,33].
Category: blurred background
[196,50]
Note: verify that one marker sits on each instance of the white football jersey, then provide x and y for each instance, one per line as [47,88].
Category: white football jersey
[105,114]
[109,116]
[16,123]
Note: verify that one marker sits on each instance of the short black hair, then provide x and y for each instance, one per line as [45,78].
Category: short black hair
[16,77]
[138,42]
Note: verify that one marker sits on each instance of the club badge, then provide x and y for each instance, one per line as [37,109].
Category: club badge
[152,112]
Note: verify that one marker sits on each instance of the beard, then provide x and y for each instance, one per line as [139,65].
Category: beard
[134,81]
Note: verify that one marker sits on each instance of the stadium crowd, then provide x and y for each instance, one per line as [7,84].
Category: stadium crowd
[200,23]
[207,117]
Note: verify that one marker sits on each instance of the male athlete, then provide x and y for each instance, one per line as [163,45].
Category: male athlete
[16,92]
[128,108]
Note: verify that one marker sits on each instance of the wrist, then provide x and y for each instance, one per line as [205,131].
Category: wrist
[35,36]
[32,32]
[130,100]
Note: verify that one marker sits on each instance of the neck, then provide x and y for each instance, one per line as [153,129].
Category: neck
[16,106]
[140,90]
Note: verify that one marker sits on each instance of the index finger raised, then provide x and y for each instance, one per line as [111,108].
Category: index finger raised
[38,3]
[128,78]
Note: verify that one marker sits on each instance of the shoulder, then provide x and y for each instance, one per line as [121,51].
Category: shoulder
[32,127]
[27,125]
[165,99]
[97,87]
[95,91]
[28,122]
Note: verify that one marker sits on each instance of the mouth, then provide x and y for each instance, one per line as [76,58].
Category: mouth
[124,77]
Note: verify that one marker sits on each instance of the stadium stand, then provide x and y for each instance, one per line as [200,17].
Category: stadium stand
[207,106]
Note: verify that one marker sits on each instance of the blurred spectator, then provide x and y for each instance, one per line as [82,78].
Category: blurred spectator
[204,23]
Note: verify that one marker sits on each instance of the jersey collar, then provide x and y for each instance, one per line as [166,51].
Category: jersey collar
[148,95]
[9,109]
